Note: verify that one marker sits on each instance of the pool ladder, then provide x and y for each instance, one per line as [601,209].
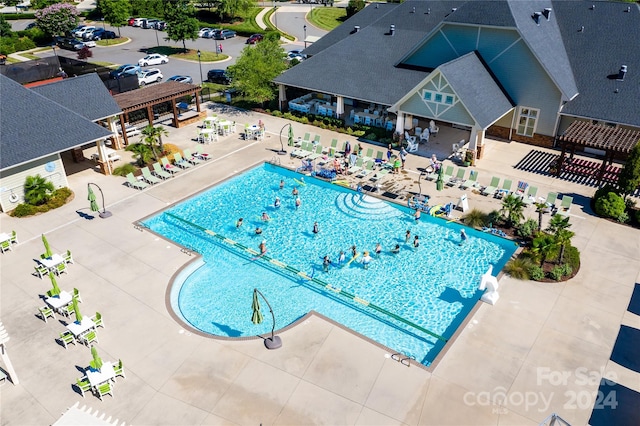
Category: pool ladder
[275,160]
[403,359]
[187,250]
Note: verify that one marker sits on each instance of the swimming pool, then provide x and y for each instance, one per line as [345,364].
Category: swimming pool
[411,302]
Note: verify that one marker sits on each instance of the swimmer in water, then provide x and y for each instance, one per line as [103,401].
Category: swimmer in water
[281,183]
[263,247]
[276,203]
[341,257]
[298,202]
[407,237]
[366,259]
[295,191]
[265,217]
[325,264]
[416,243]
[378,249]
[354,252]
[396,249]
[417,215]
[258,230]
[463,236]
[239,223]
[315,228]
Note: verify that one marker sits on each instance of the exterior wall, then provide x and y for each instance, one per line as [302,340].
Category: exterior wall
[503,133]
[12,180]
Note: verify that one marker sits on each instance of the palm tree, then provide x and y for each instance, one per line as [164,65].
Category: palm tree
[37,190]
[512,208]
[558,223]
[152,136]
[141,152]
[540,209]
[543,246]
[563,237]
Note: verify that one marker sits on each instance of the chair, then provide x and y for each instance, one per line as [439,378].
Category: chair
[522,187]
[104,389]
[414,122]
[84,385]
[133,183]
[89,338]
[191,158]
[459,178]
[41,270]
[5,246]
[368,168]
[76,295]
[148,177]
[472,181]
[14,237]
[369,155]
[67,310]
[424,136]
[168,166]
[204,155]
[408,138]
[379,175]
[316,139]
[389,125]
[307,137]
[119,369]
[68,258]
[67,338]
[551,199]
[181,162]
[530,198]
[367,120]
[448,174]
[46,312]
[317,152]
[493,186]
[157,169]
[565,206]
[433,129]
[505,190]
[97,320]
[412,146]
[356,167]
[61,268]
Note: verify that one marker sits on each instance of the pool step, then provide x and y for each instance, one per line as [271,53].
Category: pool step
[364,206]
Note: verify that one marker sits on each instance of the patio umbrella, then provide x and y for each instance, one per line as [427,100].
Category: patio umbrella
[56,289]
[96,364]
[291,135]
[92,200]
[257,317]
[440,181]
[47,249]
[76,309]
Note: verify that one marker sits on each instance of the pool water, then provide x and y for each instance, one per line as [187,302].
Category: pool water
[417,298]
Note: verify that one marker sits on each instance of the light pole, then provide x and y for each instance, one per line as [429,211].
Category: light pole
[157,41]
[305,35]
[275,14]
[200,63]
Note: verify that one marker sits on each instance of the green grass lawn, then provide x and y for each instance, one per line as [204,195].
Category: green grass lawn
[112,42]
[190,55]
[29,56]
[327,18]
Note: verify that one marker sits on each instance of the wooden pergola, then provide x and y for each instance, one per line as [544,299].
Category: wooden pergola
[614,141]
[148,97]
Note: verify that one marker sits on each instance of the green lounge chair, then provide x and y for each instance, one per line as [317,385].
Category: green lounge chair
[379,175]
[356,167]
[316,139]
[493,186]
[457,179]
[333,148]
[199,153]
[167,166]
[157,169]
[368,168]
[505,190]
[191,158]
[84,385]
[46,312]
[307,137]
[137,184]
[448,174]
[565,206]
[551,200]
[181,162]
[472,181]
[369,155]
[316,153]
[148,177]
[530,197]
[303,151]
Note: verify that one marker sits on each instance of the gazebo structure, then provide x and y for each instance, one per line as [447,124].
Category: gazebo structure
[609,142]
[147,97]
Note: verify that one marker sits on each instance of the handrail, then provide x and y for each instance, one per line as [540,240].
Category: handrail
[303,274]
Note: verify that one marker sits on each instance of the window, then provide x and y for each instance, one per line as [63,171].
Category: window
[427,96]
[441,98]
[527,121]
[448,100]
[438,98]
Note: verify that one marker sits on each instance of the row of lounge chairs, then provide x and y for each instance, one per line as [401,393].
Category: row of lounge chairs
[166,170]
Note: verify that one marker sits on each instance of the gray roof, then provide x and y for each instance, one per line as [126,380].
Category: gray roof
[85,95]
[34,126]
[610,39]
[477,89]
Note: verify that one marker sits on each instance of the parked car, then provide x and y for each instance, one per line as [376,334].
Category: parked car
[82,31]
[138,22]
[181,79]
[89,43]
[149,76]
[122,70]
[150,23]
[202,31]
[153,59]
[131,21]
[296,54]
[101,33]
[223,34]
[210,33]
[255,38]
[30,26]
[70,43]
[218,76]
[161,25]
[78,28]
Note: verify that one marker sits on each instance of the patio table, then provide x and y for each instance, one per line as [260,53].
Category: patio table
[4,237]
[79,329]
[52,262]
[61,301]
[106,373]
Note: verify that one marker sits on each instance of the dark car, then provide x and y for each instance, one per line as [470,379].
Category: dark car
[255,38]
[223,34]
[149,23]
[123,70]
[218,76]
[161,25]
[70,43]
[100,34]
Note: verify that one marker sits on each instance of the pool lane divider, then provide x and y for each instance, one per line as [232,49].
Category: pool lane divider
[310,278]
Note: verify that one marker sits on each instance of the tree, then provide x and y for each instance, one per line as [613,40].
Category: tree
[230,8]
[543,247]
[5,27]
[151,8]
[541,207]
[152,136]
[181,24]
[558,223]
[116,12]
[37,190]
[141,152]
[256,68]
[629,178]
[512,208]
[57,19]
[354,6]
[563,237]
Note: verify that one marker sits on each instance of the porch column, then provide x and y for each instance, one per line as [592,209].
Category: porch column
[103,158]
[113,128]
[175,112]
[408,121]
[477,135]
[150,114]
[197,103]
[282,96]
[123,126]
[339,106]
[400,123]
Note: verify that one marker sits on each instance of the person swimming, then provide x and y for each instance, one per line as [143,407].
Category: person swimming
[239,223]
[378,249]
[315,228]
[407,236]
[325,264]
[281,183]
[354,251]
[366,259]
[258,230]
[295,191]
[416,242]
[263,247]
[341,257]
[276,203]
[417,215]
[463,236]
[265,217]
[298,202]
[396,249]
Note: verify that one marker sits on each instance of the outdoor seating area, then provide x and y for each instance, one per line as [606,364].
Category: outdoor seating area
[7,241]
[310,102]
[164,169]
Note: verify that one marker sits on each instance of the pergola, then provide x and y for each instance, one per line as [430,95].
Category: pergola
[148,97]
[614,141]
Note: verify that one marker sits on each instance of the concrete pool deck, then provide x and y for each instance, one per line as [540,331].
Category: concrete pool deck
[530,345]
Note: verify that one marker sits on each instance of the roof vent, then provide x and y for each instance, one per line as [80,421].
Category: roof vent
[376,5]
[622,72]
[628,9]
[453,9]
[428,11]
[536,17]
[413,10]
[392,30]
[356,28]
[593,7]
[581,30]
[547,12]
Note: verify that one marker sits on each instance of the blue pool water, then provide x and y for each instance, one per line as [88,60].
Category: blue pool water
[418,293]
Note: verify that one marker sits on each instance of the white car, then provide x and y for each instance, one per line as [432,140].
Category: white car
[137,22]
[203,31]
[81,32]
[89,43]
[153,59]
[149,76]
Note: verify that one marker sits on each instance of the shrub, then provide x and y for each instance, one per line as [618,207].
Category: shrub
[24,210]
[494,218]
[169,150]
[536,273]
[623,218]
[556,273]
[528,228]
[475,218]
[601,192]
[518,268]
[610,205]
[125,169]
[572,257]
[566,269]
[58,198]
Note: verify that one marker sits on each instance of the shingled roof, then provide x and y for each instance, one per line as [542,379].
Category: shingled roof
[34,126]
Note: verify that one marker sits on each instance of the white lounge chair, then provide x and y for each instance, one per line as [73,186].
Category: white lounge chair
[433,129]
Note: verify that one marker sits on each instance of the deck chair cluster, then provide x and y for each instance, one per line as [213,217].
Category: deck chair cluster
[164,169]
